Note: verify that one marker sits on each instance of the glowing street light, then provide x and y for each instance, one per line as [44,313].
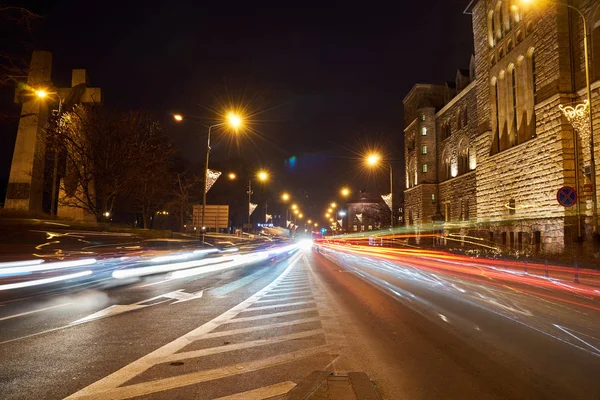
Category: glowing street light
[234,121]
[232,176]
[294,206]
[296,212]
[342,213]
[316,224]
[285,197]
[329,210]
[327,215]
[300,216]
[309,222]
[333,205]
[345,192]
[373,159]
[262,175]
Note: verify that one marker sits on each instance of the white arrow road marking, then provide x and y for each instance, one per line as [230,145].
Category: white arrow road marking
[116,309]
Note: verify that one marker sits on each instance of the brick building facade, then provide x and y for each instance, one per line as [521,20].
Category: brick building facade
[490,149]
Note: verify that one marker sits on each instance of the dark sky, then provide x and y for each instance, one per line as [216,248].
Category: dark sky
[321,83]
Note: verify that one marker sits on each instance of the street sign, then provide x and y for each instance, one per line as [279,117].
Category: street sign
[566,196]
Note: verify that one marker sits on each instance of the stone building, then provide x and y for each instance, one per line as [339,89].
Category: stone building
[490,150]
[366,213]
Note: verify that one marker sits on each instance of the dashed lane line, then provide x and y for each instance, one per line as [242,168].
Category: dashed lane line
[230,332]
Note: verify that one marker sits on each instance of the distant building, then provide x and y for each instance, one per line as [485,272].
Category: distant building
[366,213]
[490,150]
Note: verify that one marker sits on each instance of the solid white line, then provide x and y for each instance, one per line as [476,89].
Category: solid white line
[267,316]
[262,393]
[278,305]
[34,311]
[232,332]
[118,378]
[241,346]
[159,385]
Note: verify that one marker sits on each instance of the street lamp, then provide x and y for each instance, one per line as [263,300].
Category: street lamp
[232,120]
[285,197]
[333,205]
[42,94]
[232,176]
[591,120]
[345,192]
[262,176]
[373,160]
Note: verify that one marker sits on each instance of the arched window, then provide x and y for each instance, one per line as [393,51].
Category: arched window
[446,172]
[495,117]
[459,119]
[499,20]
[463,156]
[465,117]
[515,129]
[491,29]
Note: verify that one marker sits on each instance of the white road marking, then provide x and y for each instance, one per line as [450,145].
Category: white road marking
[262,393]
[284,294]
[111,384]
[298,303]
[159,385]
[285,299]
[258,328]
[33,311]
[267,316]
[109,312]
[241,346]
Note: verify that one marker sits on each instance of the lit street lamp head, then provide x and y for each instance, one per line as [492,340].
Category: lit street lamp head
[232,176]
[178,117]
[373,159]
[345,192]
[41,93]
[333,205]
[285,197]
[294,206]
[234,120]
[263,176]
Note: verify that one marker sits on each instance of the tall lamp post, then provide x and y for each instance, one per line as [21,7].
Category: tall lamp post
[235,122]
[42,94]
[262,176]
[590,115]
[373,160]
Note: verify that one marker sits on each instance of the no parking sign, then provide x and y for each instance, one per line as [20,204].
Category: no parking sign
[566,196]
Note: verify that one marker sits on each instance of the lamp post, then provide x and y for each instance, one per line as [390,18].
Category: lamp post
[590,115]
[374,160]
[234,121]
[262,176]
[42,94]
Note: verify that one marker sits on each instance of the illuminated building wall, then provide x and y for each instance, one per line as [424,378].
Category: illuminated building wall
[501,166]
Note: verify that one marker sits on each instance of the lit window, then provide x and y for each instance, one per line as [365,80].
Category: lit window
[422,117]
[424,168]
[424,150]
[424,131]
[432,197]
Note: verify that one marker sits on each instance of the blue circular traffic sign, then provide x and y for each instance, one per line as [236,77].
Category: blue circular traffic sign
[566,196]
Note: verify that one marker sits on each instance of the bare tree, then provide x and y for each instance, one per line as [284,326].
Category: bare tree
[18,23]
[183,193]
[148,172]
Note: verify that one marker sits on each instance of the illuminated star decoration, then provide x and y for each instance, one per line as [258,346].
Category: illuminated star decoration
[211,178]
[251,208]
[359,216]
[388,199]
[268,217]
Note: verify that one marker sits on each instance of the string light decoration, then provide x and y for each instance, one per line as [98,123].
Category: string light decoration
[387,198]
[211,178]
[251,208]
[578,117]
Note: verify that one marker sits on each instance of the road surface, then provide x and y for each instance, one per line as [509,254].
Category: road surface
[256,331]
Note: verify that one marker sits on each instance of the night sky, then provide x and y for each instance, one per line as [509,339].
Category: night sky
[320,83]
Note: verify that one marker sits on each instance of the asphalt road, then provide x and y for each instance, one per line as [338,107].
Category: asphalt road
[258,330]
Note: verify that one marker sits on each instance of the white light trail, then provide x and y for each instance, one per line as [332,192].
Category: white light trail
[38,282]
[46,266]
